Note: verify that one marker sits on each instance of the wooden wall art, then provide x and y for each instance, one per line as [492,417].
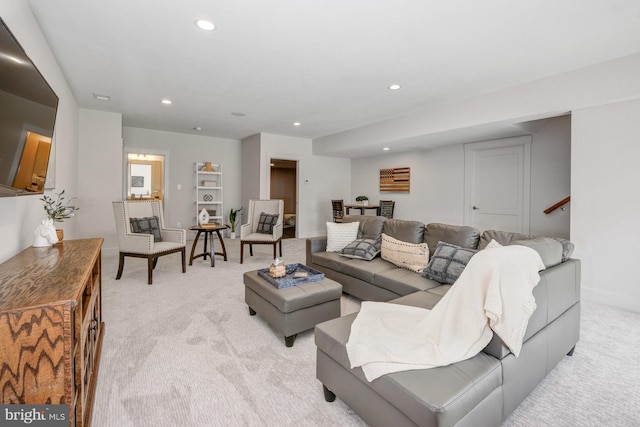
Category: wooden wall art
[395,180]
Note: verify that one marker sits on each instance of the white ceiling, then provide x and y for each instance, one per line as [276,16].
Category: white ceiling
[323,63]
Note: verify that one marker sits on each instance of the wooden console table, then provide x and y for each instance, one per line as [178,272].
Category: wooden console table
[51,326]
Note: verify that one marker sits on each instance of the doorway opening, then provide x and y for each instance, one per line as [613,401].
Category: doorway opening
[284,186]
[145,177]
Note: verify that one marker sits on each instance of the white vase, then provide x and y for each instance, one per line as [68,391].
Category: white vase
[365,203]
[232,234]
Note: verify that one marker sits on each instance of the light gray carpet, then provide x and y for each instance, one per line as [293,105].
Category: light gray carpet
[184,351]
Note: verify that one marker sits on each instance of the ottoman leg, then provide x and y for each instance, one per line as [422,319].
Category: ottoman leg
[252,312]
[290,340]
[328,394]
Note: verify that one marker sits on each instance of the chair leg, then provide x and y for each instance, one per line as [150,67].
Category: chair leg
[155,262]
[280,243]
[250,249]
[184,261]
[151,262]
[241,251]
[120,266]
[274,250]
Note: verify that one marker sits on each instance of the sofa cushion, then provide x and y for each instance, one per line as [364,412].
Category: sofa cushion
[567,248]
[402,281]
[550,250]
[448,262]
[444,393]
[502,237]
[331,260]
[460,235]
[147,225]
[412,256]
[405,231]
[340,235]
[365,270]
[370,226]
[366,249]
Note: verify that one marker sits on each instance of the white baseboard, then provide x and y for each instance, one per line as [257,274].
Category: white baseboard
[608,298]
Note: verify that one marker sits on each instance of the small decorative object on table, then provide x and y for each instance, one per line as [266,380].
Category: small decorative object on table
[277,268]
[59,209]
[203,217]
[363,200]
[295,274]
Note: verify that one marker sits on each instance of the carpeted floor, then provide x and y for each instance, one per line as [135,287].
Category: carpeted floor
[185,352]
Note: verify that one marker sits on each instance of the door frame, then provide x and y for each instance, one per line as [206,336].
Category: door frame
[470,150]
[267,179]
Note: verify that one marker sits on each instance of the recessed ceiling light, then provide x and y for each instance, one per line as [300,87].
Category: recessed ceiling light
[101,97]
[394,86]
[385,149]
[235,113]
[297,124]
[197,128]
[205,25]
[167,101]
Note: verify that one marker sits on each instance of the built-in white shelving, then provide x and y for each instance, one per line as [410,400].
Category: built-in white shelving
[208,186]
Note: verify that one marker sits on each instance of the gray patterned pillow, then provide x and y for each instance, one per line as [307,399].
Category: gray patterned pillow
[366,249]
[447,262]
[267,222]
[147,225]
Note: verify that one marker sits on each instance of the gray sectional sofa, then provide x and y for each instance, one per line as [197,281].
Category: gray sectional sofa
[481,391]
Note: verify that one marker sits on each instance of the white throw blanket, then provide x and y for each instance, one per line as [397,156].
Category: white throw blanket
[494,292]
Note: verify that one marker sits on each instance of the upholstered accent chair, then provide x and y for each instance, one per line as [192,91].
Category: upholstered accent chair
[263,226]
[142,233]
[386,208]
[338,210]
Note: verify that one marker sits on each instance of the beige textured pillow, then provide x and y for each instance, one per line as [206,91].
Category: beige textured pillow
[412,256]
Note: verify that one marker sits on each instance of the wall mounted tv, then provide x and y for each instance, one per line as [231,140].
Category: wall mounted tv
[28,109]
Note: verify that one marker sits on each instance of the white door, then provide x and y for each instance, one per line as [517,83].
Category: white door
[497,179]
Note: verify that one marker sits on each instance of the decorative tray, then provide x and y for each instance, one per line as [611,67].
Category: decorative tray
[292,278]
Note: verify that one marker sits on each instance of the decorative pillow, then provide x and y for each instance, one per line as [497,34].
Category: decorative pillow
[147,225]
[448,262]
[340,235]
[366,249]
[266,223]
[412,256]
[493,244]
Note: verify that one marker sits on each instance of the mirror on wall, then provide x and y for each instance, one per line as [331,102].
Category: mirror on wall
[145,177]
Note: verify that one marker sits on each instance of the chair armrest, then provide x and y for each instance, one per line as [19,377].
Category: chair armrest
[136,243]
[176,235]
[246,229]
[277,231]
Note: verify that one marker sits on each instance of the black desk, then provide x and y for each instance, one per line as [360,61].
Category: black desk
[208,231]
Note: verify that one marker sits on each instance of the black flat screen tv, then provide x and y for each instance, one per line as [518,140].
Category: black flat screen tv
[28,109]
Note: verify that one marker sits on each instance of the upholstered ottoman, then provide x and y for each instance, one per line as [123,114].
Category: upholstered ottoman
[294,309]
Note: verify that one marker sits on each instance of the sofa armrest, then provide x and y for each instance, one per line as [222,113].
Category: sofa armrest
[314,245]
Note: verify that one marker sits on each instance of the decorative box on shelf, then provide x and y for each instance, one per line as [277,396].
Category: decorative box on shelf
[209,184]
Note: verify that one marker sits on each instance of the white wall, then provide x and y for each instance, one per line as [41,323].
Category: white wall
[437,180]
[551,177]
[19,216]
[605,194]
[182,152]
[320,178]
[99,174]
[250,175]
[437,183]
